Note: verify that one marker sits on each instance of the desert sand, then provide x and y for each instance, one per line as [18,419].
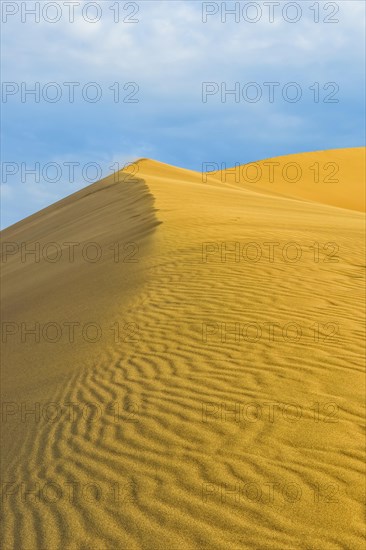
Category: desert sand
[226,410]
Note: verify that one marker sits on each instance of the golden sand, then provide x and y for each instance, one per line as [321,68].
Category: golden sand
[221,405]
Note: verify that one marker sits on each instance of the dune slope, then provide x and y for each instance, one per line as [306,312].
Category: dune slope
[222,406]
[335,177]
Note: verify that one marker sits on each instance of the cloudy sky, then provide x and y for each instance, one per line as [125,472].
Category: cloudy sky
[115,81]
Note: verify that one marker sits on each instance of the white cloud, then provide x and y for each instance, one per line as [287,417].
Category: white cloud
[171,39]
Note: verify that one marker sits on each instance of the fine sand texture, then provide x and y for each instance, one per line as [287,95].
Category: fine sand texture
[183,361]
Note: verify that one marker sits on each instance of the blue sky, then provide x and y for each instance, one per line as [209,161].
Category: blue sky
[168,53]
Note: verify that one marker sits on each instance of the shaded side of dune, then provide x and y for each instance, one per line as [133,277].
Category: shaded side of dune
[61,302]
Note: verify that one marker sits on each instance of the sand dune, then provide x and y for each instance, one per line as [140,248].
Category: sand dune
[221,403]
[333,177]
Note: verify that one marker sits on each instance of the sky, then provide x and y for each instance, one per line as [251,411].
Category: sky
[182,82]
